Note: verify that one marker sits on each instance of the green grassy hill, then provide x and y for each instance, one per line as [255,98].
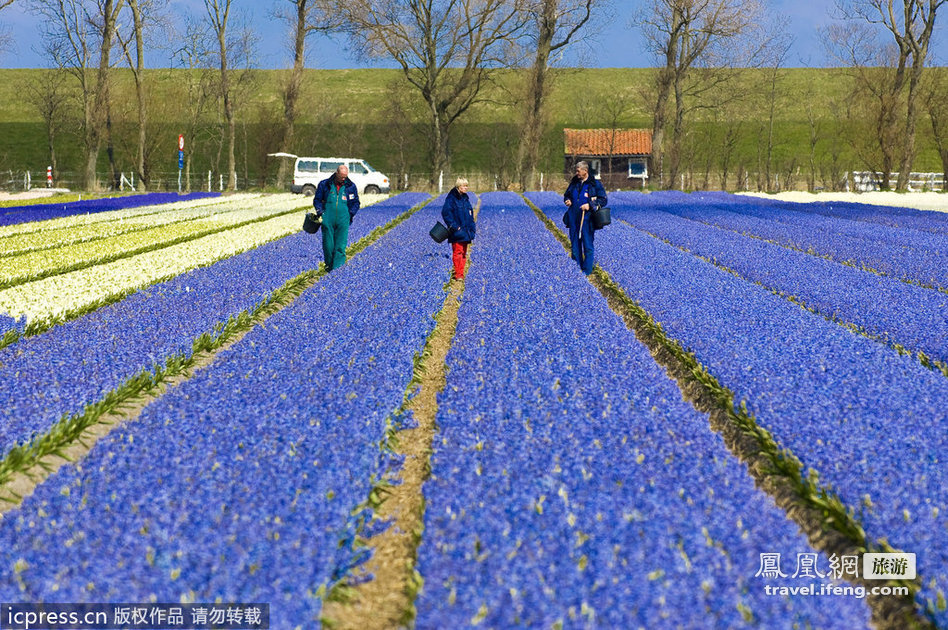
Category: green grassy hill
[372,114]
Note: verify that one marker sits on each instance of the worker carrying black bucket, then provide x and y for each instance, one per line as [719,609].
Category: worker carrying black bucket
[584,195]
[336,202]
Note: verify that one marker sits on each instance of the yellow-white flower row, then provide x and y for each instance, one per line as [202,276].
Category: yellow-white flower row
[128,213]
[72,292]
[23,267]
[49,236]
[58,295]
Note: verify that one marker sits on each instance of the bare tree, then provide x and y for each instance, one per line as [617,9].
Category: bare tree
[48,93]
[682,35]
[775,60]
[815,128]
[305,18]
[911,24]
[615,105]
[218,13]
[191,57]
[77,31]
[108,11]
[447,49]
[876,94]
[554,23]
[143,14]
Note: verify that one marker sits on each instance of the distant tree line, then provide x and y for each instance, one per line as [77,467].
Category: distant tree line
[703,109]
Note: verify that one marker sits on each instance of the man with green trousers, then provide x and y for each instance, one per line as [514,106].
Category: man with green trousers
[336,201]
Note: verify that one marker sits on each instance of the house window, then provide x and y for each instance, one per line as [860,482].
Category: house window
[594,165]
[637,169]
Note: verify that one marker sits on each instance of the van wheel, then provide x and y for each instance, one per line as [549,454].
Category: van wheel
[308,190]
[372,190]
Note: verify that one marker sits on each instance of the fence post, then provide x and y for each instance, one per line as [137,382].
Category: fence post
[222,183]
[208,181]
[541,182]
[27,181]
[440,182]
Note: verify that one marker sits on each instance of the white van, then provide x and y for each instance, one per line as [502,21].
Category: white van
[309,171]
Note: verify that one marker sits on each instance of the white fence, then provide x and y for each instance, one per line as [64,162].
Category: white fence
[869,181]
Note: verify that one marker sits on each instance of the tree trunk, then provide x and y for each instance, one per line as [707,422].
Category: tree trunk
[668,77]
[139,75]
[292,91]
[678,128]
[440,158]
[110,150]
[529,149]
[290,97]
[659,116]
[110,10]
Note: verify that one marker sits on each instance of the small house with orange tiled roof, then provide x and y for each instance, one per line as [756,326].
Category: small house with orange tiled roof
[620,157]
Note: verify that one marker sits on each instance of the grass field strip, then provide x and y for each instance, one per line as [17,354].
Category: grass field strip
[572,487]
[58,237]
[923,267]
[73,257]
[81,370]
[827,396]
[120,214]
[907,317]
[267,450]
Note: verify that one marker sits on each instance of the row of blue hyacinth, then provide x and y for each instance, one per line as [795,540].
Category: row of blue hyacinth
[871,422]
[239,484]
[75,364]
[571,483]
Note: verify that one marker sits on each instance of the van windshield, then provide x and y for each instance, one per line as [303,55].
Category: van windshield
[369,167]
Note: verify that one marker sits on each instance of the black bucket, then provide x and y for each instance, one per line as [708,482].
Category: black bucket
[311,223]
[601,218]
[439,232]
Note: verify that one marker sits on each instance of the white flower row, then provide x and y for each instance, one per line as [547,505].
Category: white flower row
[67,293]
[58,295]
[48,237]
[23,267]
[126,213]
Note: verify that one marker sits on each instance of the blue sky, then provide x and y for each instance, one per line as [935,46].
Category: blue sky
[616,43]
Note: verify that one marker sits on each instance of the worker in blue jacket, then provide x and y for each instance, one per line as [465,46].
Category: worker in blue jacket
[336,201]
[458,215]
[583,195]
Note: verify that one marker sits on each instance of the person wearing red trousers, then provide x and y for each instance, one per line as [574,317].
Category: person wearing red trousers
[458,215]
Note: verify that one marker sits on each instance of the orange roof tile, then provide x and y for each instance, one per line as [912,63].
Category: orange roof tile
[600,141]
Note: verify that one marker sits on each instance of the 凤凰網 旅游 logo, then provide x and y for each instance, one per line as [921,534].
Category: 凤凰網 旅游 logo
[875,566]
[888,566]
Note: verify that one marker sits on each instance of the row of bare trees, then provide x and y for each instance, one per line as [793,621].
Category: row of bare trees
[84,39]
[451,53]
